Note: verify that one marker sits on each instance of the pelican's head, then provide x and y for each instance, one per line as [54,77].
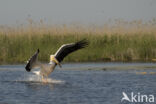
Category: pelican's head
[53,59]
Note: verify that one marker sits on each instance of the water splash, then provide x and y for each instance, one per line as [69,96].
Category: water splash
[38,79]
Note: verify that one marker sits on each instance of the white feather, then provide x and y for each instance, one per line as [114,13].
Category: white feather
[36,72]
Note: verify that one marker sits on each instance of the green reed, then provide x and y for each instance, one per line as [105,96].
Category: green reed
[115,47]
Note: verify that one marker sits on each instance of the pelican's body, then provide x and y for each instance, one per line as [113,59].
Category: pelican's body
[47,69]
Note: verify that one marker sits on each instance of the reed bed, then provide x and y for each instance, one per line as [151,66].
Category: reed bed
[122,41]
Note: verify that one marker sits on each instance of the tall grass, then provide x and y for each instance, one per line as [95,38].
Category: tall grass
[128,41]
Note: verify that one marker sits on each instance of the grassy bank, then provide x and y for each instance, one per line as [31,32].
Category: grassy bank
[18,44]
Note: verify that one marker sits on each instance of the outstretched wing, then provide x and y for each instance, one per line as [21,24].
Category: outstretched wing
[66,49]
[32,62]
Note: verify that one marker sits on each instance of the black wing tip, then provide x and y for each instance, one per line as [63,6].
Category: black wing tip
[38,50]
[27,69]
[83,43]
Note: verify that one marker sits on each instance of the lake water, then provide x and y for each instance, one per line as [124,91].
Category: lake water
[87,83]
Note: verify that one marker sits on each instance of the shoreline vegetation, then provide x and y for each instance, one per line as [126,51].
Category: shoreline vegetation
[121,41]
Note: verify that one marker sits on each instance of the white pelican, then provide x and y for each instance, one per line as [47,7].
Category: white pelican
[47,69]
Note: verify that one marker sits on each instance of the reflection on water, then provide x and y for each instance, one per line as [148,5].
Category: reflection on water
[77,84]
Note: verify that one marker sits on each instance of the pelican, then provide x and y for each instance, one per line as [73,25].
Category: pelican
[56,59]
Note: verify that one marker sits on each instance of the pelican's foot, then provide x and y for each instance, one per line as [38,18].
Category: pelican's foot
[44,80]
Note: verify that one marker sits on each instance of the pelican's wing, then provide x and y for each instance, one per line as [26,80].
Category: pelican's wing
[66,49]
[32,62]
